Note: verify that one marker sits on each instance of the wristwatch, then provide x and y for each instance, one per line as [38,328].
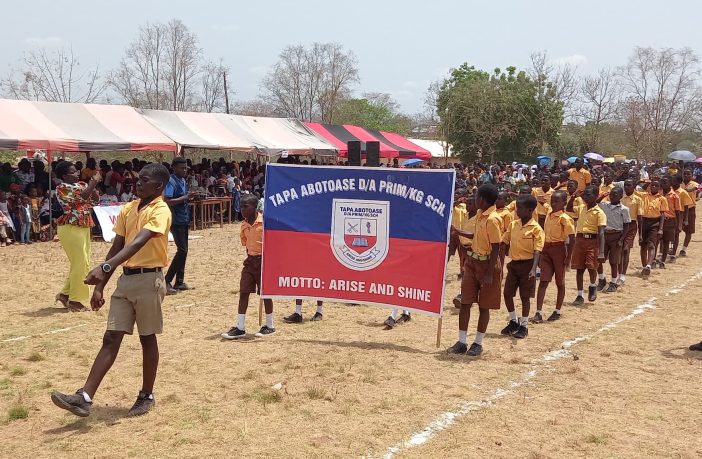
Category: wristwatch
[106,268]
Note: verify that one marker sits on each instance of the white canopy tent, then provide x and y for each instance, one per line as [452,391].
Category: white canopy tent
[435,147]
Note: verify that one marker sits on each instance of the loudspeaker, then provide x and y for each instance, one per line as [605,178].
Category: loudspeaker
[373,154]
[354,147]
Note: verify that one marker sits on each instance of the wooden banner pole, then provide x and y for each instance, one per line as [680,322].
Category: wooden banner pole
[438,332]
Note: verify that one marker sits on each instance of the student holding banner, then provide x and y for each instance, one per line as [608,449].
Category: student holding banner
[483,273]
[296,317]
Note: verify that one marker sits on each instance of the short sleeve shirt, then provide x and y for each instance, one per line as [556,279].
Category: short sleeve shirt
[590,220]
[252,236]
[487,231]
[558,227]
[524,240]
[155,217]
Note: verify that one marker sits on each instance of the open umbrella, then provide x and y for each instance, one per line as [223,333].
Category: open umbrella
[543,160]
[682,155]
[699,160]
[412,162]
[594,156]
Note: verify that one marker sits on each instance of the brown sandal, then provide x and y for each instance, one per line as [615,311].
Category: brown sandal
[61,298]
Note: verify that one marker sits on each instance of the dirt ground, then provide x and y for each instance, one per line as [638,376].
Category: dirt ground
[350,388]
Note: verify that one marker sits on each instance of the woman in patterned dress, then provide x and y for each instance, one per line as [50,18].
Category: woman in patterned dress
[74,225]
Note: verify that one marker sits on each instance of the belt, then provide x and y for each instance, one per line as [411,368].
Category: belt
[132,271]
[475,256]
[610,231]
[554,243]
[587,236]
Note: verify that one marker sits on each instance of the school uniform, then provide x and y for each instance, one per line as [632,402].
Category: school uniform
[505,217]
[582,176]
[523,240]
[252,238]
[141,287]
[578,204]
[558,227]
[605,190]
[587,247]
[464,243]
[512,208]
[691,188]
[542,209]
[617,216]
[651,209]
[633,203]
[487,232]
[459,213]
[670,224]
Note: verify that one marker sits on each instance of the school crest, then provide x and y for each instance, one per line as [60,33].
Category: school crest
[360,232]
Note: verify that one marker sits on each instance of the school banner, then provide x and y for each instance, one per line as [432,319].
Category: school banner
[107,216]
[355,234]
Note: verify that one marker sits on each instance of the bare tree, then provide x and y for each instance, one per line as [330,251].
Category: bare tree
[599,100]
[256,108]
[54,76]
[562,78]
[662,94]
[309,83]
[214,91]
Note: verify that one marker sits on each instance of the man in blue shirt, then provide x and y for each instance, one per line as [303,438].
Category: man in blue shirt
[177,196]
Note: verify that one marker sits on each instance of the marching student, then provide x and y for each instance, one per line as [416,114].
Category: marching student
[589,244]
[525,241]
[556,256]
[543,198]
[692,189]
[618,221]
[581,176]
[141,243]
[633,202]
[505,217]
[296,317]
[252,239]
[575,203]
[673,219]
[607,186]
[526,190]
[651,229]
[688,206]
[393,320]
[482,277]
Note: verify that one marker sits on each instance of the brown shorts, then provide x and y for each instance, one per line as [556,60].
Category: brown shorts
[690,227]
[670,228]
[462,251]
[585,253]
[552,262]
[649,232]
[631,235]
[612,249]
[138,298]
[488,296]
[250,276]
[518,278]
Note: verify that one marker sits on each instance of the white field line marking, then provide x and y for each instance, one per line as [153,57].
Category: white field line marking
[447,418]
[50,332]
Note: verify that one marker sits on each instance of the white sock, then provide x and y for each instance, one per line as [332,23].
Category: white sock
[648,266]
[269,320]
[86,397]
[593,285]
[684,248]
[406,312]
[615,279]
[241,324]
[558,311]
[601,276]
[479,338]
[320,309]
[513,315]
[622,277]
[524,321]
[298,309]
[538,270]
[393,313]
[462,336]
[580,293]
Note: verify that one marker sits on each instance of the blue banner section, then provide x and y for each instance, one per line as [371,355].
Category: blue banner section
[302,199]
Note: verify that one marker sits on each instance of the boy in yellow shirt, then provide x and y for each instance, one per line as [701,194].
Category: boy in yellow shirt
[633,202]
[688,206]
[692,188]
[525,241]
[652,213]
[589,244]
[141,244]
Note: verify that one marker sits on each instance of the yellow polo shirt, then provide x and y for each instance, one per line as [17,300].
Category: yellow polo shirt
[673,204]
[538,193]
[590,220]
[512,207]
[459,213]
[582,176]
[505,218]
[578,204]
[487,231]
[634,204]
[653,205]
[524,240]
[558,226]
[467,225]
[692,188]
[685,199]
[606,189]
[155,217]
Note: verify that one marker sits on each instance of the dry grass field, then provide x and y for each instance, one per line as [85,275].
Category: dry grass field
[602,382]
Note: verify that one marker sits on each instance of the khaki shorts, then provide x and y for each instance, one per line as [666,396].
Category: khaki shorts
[138,298]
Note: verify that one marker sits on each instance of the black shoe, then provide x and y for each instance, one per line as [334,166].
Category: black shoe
[671,259]
[475,350]
[521,333]
[233,333]
[661,265]
[579,301]
[390,322]
[696,347]
[646,271]
[317,317]
[554,316]
[265,331]
[76,403]
[170,290]
[612,287]
[682,254]
[592,294]
[293,318]
[143,405]
[457,302]
[538,318]
[458,348]
[404,317]
[601,285]
[181,286]
[511,328]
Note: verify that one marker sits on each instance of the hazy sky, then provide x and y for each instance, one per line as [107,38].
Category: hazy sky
[401,46]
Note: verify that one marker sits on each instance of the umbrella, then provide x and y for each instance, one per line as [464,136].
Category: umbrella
[543,160]
[412,162]
[594,156]
[682,155]
[699,160]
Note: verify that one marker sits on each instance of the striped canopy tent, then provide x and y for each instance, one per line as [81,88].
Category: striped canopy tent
[220,131]
[391,145]
[54,126]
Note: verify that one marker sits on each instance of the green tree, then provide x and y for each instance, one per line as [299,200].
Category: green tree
[373,111]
